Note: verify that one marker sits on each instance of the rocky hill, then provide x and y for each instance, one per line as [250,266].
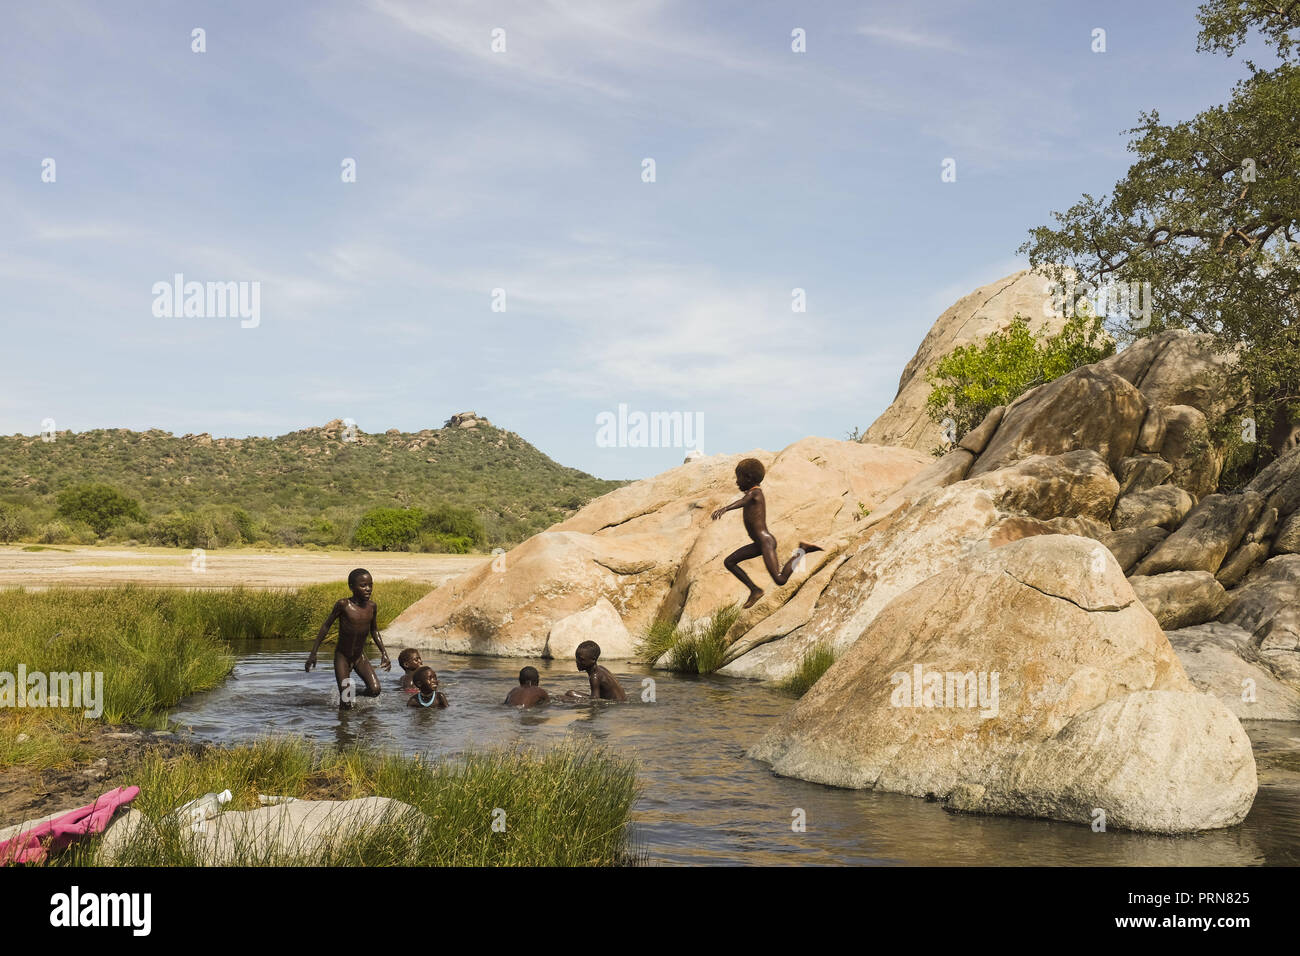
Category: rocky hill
[293,483]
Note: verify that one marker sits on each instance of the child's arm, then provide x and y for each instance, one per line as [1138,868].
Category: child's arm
[374,636]
[740,503]
[320,635]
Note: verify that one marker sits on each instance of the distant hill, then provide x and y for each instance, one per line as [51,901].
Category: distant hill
[310,486]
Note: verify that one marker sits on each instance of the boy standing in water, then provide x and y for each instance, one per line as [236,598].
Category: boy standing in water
[749,475]
[604,685]
[357,616]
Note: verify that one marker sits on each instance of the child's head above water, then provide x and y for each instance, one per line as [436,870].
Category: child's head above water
[586,654]
[426,679]
[528,677]
[409,660]
[749,473]
[360,583]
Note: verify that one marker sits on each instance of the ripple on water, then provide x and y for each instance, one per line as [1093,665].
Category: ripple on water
[704,801]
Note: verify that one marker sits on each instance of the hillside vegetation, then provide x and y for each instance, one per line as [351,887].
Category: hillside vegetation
[466,486]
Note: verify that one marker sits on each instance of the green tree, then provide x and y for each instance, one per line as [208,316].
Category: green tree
[388,529]
[100,506]
[1208,215]
[972,380]
[452,522]
[14,523]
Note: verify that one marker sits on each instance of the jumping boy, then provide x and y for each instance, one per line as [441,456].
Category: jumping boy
[426,690]
[357,616]
[527,693]
[749,476]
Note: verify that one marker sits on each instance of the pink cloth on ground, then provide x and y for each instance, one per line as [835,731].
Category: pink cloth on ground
[31,846]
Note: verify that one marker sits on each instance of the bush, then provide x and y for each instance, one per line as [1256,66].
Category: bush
[698,649]
[15,523]
[388,529]
[815,662]
[99,506]
[972,380]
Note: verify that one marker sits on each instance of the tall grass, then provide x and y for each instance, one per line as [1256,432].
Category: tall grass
[700,648]
[153,646]
[567,806]
[815,662]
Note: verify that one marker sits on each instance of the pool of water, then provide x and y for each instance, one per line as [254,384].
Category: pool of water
[704,801]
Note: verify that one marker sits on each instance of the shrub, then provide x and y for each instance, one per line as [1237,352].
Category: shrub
[15,523]
[99,506]
[972,380]
[388,529]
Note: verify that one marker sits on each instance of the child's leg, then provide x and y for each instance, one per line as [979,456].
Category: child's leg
[342,676]
[367,674]
[732,563]
[782,574]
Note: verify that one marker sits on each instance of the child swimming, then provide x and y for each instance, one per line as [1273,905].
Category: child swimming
[357,616]
[527,693]
[409,661]
[426,690]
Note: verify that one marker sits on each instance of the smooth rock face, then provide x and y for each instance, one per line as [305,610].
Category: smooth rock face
[1076,655]
[1287,540]
[1089,408]
[972,318]
[1221,660]
[1158,761]
[1180,598]
[599,623]
[1187,446]
[1267,606]
[650,549]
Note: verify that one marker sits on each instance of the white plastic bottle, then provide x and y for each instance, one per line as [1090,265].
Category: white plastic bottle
[199,811]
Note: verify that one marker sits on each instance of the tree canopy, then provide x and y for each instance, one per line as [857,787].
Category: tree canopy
[1209,216]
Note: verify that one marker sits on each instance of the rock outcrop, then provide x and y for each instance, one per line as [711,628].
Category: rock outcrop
[1014,684]
[972,318]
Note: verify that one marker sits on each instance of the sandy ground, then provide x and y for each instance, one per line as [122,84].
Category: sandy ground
[170,567]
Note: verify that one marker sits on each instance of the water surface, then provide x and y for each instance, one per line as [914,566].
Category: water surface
[704,801]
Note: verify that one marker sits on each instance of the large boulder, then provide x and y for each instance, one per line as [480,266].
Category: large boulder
[971,319]
[599,623]
[1213,529]
[943,527]
[650,549]
[1089,408]
[1221,660]
[1180,598]
[1178,367]
[1030,680]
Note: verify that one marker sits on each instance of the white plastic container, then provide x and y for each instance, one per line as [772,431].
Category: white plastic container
[199,811]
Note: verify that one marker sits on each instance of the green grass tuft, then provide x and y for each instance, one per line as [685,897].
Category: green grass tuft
[698,649]
[816,661]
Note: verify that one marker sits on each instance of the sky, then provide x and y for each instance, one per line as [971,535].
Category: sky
[500,248]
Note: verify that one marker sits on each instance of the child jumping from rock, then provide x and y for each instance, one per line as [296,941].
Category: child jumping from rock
[357,616]
[749,475]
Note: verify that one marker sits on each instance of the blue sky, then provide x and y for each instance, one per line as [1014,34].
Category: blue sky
[521,170]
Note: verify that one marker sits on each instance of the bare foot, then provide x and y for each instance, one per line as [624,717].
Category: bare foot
[753,598]
[808,548]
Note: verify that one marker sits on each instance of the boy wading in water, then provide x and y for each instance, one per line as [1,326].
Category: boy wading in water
[357,616]
[749,475]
